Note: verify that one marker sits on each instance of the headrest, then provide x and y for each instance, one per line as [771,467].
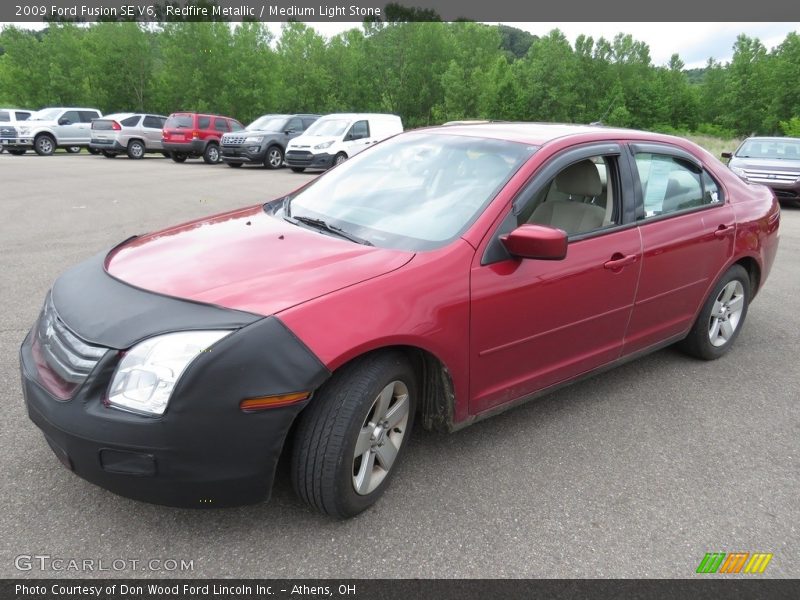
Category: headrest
[580,179]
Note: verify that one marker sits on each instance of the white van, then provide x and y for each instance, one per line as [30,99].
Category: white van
[333,139]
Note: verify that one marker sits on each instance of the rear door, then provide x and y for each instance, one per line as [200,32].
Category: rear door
[151,131]
[687,231]
[536,323]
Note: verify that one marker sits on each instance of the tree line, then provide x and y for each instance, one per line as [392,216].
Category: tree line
[427,72]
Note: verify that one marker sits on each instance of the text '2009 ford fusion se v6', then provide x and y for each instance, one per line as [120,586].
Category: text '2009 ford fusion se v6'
[440,277]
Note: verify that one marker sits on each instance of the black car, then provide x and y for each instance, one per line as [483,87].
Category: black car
[264,140]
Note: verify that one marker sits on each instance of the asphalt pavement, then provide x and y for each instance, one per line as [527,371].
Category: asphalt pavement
[637,472]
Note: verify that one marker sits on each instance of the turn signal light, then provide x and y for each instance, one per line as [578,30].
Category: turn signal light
[266,402]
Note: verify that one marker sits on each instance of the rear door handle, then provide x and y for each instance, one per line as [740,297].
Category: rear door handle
[619,260]
[723,231]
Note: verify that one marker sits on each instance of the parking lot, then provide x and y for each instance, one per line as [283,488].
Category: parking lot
[637,472]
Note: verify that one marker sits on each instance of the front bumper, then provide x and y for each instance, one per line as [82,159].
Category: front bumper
[243,154]
[299,158]
[203,451]
[18,142]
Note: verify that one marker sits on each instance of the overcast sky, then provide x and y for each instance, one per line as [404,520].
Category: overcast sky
[694,42]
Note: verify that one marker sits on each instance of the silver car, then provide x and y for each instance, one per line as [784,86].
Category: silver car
[133,134]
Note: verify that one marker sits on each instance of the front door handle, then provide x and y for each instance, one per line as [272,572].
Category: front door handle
[619,260]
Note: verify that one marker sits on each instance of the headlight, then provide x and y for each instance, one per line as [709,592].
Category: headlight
[739,172]
[323,145]
[147,374]
[253,139]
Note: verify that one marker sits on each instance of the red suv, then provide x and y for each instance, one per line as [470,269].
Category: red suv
[195,135]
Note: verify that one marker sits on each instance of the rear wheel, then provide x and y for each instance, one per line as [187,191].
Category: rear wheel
[93,151]
[274,158]
[234,165]
[211,154]
[178,157]
[298,169]
[722,317]
[17,151]
[73,149]
[350,437]
[44,145]
[135,149]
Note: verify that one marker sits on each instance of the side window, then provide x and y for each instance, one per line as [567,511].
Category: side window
[360,130]
[670,184]
[131,121]
[295,125]
[88,115]
[203,122]
[582,197]
[23,115]
[4,116]
[220,124]
[153,122]
[71,115]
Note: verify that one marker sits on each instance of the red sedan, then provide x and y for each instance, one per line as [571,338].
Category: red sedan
[442,276]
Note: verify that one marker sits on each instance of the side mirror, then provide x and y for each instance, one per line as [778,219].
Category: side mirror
[536,241]
[728,155]
[63,121]
[289,131]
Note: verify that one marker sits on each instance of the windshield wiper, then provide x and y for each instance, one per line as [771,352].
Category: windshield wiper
[325,226]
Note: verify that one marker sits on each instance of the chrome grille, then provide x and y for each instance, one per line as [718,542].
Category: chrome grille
[767,177]
[8,132]
[233,140]
[66,354]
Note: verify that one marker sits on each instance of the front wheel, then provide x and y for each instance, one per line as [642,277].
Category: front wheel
[17,151]
[211,154]
[352,434]
[73,149]
[274,158]
[722,317]
[44,145]
[339,159]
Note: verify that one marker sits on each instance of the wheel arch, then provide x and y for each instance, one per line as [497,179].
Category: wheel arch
[436,404]
[753,269]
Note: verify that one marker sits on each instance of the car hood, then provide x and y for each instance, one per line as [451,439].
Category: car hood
[306,141]
[778,165]
[247,260]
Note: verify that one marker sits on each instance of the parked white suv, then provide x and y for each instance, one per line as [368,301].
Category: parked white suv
[9,117]
[52,128]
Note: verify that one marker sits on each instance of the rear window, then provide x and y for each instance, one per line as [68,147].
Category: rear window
[179,121]
[102,124]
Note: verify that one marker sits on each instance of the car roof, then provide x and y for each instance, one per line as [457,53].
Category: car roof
[357,115]
[124,115]
[766,138]
[541,133]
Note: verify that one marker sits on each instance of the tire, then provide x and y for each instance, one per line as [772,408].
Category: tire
[108,154]
[166,155]
[721,318]
[2,149]
[178,157]
[274,157]
[211,154]
[339,159]
[136,149]
[328,473]
[94,151]
[17,151]
[298,169]
[73,149]
[234,165]
[44,144]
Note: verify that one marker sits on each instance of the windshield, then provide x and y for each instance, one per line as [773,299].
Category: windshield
[328,127]
[786,149]
[267,123]
[416,191]
[47,114]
